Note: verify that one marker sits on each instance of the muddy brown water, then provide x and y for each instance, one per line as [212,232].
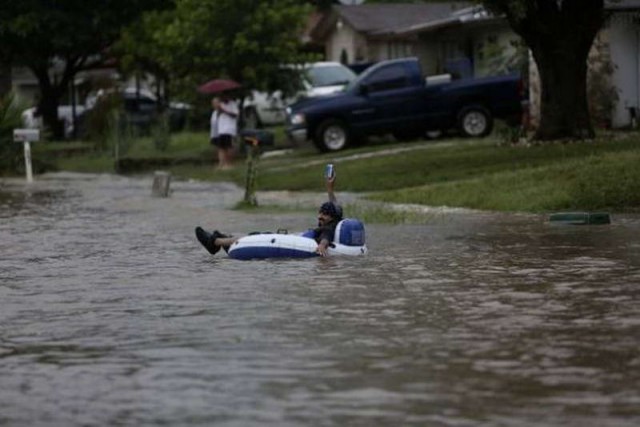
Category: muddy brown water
[112,314]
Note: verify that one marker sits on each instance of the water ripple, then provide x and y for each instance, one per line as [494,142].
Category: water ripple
[111,314]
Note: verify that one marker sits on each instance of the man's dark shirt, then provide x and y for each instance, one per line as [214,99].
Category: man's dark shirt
[326,231]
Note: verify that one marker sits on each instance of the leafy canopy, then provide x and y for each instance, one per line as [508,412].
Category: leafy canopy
[245,40]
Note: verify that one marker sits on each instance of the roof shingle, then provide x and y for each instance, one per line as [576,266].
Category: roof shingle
[376,17]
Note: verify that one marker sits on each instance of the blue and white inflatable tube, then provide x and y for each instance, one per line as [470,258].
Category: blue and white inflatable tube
[349,240]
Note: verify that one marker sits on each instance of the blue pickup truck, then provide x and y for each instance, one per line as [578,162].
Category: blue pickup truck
[394,97]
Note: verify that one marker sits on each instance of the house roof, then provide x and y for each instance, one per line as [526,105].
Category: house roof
[478,14]
[622,4]
[377,17]
[384,18]
[474,14]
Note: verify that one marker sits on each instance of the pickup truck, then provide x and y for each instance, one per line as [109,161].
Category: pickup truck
[317,79]
[393,97]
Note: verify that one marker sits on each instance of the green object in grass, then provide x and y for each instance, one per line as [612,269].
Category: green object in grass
[580,218]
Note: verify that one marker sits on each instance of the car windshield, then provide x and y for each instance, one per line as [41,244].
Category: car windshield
[331,75]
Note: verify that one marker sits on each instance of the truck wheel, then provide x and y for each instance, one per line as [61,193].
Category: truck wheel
[332,135]
[251,119]
[475,121]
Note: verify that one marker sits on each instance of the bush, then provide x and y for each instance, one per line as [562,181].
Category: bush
[11,160]
[100,120]
[160,132]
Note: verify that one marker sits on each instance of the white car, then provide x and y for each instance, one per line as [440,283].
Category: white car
[319,79]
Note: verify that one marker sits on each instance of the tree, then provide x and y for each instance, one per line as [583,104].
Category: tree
[58,39]
[140,53]
[10,152]
[245,40]
[560,34]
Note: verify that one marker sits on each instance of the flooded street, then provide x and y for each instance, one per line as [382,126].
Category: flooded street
[111,314]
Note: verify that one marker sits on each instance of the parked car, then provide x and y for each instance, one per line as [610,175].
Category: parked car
[393,97]
[142,106]
[318,79]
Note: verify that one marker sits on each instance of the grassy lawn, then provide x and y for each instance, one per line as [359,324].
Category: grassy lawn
[480,174]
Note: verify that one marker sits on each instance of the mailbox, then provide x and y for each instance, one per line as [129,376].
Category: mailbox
[26,135]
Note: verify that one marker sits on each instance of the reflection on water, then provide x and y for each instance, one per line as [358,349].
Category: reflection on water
[112,314]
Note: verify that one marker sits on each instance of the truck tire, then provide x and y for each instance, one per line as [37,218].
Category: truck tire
[251,119]
[331,135]
[475,121]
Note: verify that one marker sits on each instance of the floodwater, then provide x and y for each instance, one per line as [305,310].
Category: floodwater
[111,314]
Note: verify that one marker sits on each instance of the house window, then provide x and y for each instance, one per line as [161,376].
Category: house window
[399,50]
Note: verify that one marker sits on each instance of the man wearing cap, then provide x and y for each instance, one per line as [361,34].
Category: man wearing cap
[329,215]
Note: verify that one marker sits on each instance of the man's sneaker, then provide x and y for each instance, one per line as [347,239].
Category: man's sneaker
[207,239]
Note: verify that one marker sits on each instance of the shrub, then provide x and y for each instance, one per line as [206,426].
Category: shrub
[160,132]
[11,160]
[100,120]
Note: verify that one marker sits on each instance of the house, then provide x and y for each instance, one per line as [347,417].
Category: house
[470,42]
[366,33]
[455,37]
[620,40]
[465,40]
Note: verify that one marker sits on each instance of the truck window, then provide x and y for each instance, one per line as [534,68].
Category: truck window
[391,77]
[330,75]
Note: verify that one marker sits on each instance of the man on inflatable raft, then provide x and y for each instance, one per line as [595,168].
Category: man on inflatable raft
[349,236]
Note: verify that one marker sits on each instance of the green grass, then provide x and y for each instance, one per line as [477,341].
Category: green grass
[480,174]
[581,180]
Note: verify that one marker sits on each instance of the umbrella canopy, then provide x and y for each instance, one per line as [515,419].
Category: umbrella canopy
[218,86]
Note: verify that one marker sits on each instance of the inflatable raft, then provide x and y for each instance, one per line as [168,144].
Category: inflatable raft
[349,239]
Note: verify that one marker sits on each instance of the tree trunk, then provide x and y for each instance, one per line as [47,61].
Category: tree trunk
[564,110]
[5,78]
[48,109]
[50,94]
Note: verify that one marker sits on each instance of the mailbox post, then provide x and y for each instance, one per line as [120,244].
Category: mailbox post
[26,136]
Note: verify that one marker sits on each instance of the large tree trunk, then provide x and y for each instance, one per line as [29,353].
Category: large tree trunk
[564,110]
[48,107]
[50,95]
[560,34]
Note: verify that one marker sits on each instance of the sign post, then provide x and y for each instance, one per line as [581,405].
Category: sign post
[26,136]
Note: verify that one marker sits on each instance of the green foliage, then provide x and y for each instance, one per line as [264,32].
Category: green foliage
[515,8]
[160,133]
[10,152]
[70,34]
[246,40]
[99,120]
[120,135]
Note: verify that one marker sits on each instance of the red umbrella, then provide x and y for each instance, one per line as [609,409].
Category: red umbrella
[218,86]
